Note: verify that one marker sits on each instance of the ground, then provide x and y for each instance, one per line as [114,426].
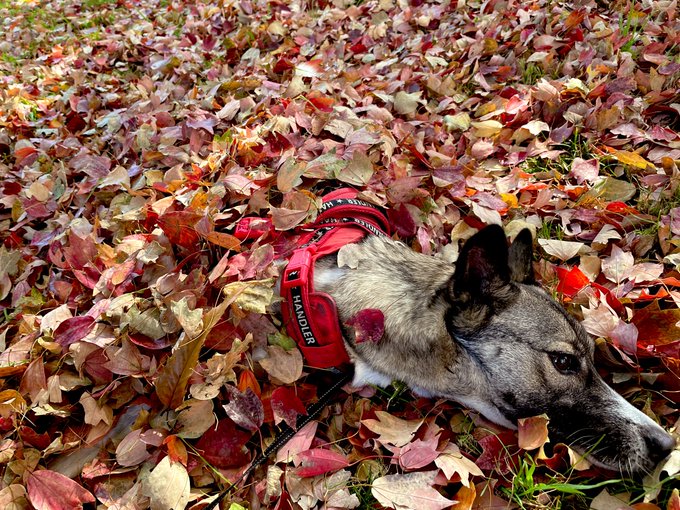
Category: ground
[142,365]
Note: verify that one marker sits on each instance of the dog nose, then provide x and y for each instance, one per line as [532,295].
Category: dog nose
[659,444]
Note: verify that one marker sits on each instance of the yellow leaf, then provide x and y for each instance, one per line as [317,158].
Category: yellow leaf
[252,296]
[629,158]
[11,401]
[486,128]
[510,199]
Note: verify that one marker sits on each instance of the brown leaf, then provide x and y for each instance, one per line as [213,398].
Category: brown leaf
[284,366]
[173,377]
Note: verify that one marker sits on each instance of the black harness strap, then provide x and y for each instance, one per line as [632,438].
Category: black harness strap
[286,435]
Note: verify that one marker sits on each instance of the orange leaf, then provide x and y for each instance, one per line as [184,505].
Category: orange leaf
[227,241]
[656,326]
[247,380]
[465,498]
[176,450]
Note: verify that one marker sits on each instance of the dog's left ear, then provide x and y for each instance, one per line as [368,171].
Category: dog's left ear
[520,256]
[482,271]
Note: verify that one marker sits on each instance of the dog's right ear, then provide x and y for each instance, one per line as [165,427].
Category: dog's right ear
[482,272]
[520,256]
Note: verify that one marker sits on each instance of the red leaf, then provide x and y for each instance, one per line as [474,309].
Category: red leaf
[150,343]
[496,454]
[30,436]
[321,102]
[286,405]
[621,208]
[80,251]
[571,280]
[368,324]
[49,490]
[225,446]
[95,367]
[402,221]
[319,461]
[73,330]
[658,327]
[179,226]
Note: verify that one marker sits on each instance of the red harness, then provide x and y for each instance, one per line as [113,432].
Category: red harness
[311,318]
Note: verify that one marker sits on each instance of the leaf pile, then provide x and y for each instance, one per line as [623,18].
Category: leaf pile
[141,364]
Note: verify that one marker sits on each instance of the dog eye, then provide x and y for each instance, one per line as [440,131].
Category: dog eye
[564,363]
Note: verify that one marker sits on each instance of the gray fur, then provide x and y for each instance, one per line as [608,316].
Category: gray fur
[483,334]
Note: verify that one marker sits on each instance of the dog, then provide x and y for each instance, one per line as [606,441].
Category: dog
[484,334]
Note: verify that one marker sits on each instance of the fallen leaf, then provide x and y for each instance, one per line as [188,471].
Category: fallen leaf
[286,405]
[300,442]
[406,103]
[563,250]
[194,418]
[465,498]
[131,451]
[224,446]
[629,158]
[319,462]
[251,296]
[358,171]
[245,409]
[285,366]
[418,453]
[168,486]
[368,325]
[532,432]
[174,376]
[410,490]
[392,430]
[571,281]
[49,490]
[617,265]
[452,462]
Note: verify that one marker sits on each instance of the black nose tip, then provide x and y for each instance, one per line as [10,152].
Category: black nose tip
[659,444]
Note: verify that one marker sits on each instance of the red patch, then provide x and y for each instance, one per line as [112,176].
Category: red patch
[225,446]
[368,324]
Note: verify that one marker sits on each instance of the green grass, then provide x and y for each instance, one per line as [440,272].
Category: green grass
[574,147]
[655,205]
[531,72]
[550,230]
[98,4]
[633,26]
[534,487]
[360,484]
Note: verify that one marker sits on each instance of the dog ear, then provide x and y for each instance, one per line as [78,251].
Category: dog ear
[482,271]
[520,256]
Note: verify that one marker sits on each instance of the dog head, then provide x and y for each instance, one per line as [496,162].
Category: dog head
[534,358]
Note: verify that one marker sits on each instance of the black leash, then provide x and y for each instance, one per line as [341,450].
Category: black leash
[286,435]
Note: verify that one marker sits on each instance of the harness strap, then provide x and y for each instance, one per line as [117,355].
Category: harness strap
[311,318]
